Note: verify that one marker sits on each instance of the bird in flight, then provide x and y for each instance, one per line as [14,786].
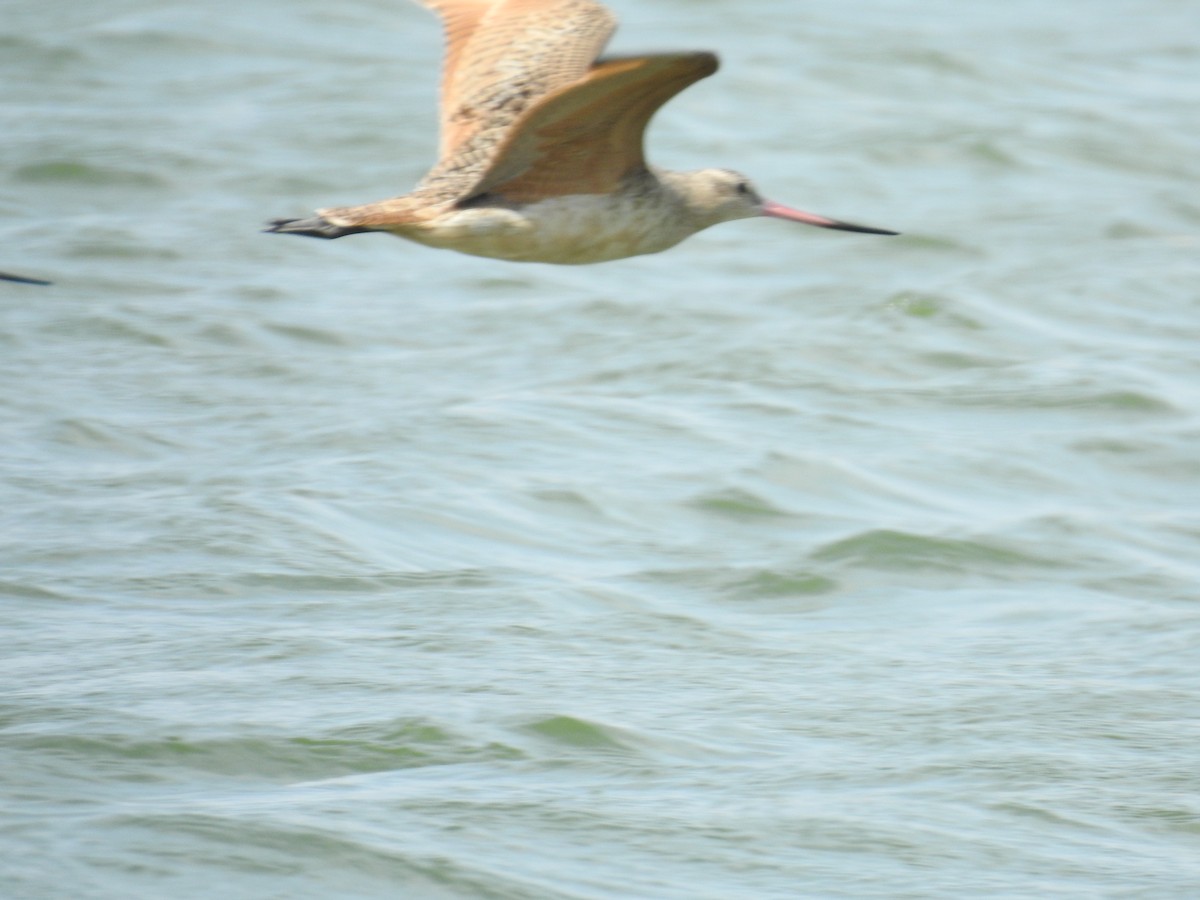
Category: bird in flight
[541,153]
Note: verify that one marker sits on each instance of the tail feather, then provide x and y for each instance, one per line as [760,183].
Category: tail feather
[315,227]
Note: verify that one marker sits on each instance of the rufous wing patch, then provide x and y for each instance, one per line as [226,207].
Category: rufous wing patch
[460,19]
[587,137]
[501,56]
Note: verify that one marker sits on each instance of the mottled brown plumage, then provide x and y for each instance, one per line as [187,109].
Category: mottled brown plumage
[501,57]
[541,151]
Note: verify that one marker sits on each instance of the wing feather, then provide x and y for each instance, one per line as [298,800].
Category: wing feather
[587,137]
[501,56]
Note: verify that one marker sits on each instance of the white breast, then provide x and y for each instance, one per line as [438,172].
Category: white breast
[566,230]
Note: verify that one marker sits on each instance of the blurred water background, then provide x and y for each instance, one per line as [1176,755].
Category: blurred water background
[788,563]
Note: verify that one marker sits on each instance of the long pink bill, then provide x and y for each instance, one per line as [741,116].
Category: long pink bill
[779,211]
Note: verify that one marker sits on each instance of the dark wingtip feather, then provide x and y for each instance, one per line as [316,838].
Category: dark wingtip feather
[315,227]
[21,279]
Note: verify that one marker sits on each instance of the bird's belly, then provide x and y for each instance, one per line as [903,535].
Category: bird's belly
[564,230]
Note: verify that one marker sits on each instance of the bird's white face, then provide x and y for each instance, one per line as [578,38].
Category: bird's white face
[722,195]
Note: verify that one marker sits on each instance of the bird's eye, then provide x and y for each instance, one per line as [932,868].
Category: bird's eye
[743,188]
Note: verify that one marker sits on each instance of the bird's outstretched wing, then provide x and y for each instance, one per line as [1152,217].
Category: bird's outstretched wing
[586,137]
[502,56]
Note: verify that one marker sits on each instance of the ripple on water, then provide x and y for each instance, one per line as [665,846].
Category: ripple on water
[276,758]
[900,551]
[788,563]
[84,174]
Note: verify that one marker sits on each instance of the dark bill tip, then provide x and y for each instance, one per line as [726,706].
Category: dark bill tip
[779,211]
[861,229]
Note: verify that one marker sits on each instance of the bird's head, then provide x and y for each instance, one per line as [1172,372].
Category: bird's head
[722,195]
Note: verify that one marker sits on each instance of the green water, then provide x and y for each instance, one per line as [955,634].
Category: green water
[786,564]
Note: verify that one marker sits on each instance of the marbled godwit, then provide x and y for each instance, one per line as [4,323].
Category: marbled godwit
[541,155]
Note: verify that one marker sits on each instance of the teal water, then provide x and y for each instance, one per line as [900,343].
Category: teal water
[786,564]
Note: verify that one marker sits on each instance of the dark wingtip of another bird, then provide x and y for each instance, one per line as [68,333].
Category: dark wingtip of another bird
[22,279]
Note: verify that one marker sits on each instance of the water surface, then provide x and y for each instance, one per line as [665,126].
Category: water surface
[786,564]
